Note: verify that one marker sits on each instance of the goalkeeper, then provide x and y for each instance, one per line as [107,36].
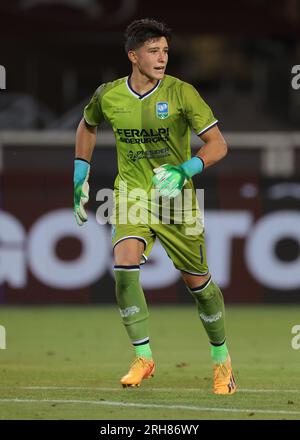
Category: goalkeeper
[152,115]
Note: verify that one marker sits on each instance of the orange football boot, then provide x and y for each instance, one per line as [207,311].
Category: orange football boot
[224,382]
[140,369]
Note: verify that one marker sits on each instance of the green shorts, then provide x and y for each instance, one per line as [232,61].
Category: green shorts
[183,243]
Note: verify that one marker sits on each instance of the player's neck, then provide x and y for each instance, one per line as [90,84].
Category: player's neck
[142,84]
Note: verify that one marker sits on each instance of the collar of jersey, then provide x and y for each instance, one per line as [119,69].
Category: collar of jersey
[137,95]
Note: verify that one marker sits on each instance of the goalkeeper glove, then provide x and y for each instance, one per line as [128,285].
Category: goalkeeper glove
[81,189]
[170,179]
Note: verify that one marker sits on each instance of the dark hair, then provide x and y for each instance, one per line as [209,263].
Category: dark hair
[140,31]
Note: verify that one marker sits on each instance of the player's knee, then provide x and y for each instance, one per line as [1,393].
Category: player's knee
[205,292]
[126,257]
[127,260]
[128,253]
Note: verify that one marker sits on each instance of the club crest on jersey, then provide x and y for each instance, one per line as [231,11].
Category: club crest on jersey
[162,110]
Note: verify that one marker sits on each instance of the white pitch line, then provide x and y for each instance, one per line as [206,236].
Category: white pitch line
[149,405]
[250,390]
[198,390]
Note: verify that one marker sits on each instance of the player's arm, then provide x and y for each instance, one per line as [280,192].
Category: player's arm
[85,144]
[214,148]
[85,140]
[169,179]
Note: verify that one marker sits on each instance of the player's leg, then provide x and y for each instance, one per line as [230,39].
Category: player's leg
[189,256]
[133,307]
[210,304]
[211,309]
[130,295]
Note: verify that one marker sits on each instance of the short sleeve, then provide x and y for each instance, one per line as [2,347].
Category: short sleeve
[198,114]
[93,114]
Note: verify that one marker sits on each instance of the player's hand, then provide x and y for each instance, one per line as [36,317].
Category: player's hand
[81,190]
[169,180]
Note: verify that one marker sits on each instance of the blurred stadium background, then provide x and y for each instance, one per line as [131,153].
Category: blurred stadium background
[239,57]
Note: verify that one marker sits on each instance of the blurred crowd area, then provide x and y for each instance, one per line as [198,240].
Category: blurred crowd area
[239,56]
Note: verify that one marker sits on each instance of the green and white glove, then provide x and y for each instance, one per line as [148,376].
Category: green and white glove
[81,189]
[170,179]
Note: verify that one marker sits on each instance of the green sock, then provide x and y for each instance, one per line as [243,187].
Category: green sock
[132,303]
[219,353]
[210,304]
[143,350]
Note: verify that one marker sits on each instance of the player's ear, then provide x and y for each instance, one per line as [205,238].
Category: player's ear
[132,56]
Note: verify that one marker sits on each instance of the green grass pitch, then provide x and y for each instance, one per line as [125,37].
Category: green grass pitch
[66,362]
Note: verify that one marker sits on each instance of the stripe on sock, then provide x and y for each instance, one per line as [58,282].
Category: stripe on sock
[127,268]
[217,344]
[202,287]
[141,342]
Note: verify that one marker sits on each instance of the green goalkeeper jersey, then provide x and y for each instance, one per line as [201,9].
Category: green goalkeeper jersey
[150,129]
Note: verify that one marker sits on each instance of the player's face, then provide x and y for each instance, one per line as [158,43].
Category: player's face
[152,58]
